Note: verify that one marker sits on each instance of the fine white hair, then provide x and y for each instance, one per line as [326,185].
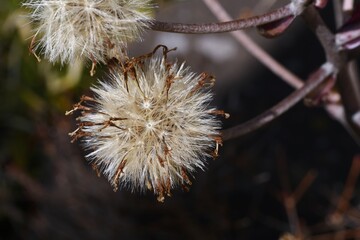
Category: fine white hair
[88,29]
[151,127]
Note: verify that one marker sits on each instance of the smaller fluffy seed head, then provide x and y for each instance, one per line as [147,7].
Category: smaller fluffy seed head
[150,125]
[92,29]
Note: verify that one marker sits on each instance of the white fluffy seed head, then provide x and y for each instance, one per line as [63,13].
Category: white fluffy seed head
[92,29]
[150,126]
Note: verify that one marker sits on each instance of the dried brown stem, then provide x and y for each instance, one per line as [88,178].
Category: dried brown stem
[268,116]
[254,49]
[324,35]
[347,78]
[349,187]
[290,198]
[226,26]
[304,185]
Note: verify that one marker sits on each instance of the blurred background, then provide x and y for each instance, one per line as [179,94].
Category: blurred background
[296,176]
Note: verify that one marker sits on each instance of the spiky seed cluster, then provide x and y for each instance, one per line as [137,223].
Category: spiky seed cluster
[150,126]
[93,29]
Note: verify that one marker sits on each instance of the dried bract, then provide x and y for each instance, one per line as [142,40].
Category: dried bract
[150,125]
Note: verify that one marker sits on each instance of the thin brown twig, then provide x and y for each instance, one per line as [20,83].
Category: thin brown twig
[271,114]
[254,49]
[226,26]
[304,185]
[289,198]
[323,34]
[286,197]
[349,86]
[292,214]
[349,187]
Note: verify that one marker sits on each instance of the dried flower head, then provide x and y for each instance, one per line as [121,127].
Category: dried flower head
[93,29]
[150,125]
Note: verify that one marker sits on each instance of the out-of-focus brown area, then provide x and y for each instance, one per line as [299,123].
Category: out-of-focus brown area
[296,177]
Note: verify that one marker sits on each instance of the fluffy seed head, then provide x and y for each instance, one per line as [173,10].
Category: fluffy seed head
[93,29]
[150,125]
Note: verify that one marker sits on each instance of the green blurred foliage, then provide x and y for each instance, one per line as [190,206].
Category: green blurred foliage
[33,96]
[31,91]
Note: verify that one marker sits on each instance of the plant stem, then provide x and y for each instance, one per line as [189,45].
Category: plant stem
[271,114]
[324,35]
[226,26]
[254,49]
[346,71]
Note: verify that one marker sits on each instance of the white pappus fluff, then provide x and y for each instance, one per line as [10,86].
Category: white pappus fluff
[149,127]
[92,29]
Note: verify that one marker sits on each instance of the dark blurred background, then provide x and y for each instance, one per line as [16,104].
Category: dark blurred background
[296,176]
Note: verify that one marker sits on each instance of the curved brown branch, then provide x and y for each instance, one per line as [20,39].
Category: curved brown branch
[254,49]
[347,77]
[268,116]
[228,26]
